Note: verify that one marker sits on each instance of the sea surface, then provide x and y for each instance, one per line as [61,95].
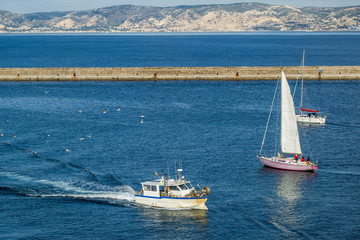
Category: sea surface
[179,50]
[69,171]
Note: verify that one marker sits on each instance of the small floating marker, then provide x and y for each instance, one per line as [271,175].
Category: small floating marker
[67,150]
[81,139]
[80,111]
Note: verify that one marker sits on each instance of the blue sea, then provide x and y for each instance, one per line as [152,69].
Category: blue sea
[69,171]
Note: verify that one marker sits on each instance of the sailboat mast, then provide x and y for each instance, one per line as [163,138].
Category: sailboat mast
[302,80]
[267,124]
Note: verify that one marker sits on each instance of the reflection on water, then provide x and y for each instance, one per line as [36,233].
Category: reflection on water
[286,212]
[175,223]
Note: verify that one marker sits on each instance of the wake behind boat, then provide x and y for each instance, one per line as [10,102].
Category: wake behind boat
[172,193]
[290,148]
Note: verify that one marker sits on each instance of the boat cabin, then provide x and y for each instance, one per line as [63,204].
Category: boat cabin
[173,188]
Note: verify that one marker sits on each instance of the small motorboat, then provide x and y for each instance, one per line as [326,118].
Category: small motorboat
[172,193]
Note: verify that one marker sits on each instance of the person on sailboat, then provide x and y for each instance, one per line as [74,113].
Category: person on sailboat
[302,159]
[280,154]
[296,157]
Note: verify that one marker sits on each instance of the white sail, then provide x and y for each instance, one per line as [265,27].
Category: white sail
[290,142]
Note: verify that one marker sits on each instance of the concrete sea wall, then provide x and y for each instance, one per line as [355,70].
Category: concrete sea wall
[178,73]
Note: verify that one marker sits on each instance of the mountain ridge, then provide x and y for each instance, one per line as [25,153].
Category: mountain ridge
[198,18]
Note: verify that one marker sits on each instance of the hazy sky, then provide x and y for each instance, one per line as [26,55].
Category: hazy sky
[31,6]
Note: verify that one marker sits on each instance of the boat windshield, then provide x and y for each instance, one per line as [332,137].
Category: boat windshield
[173,188]
[189,186]
[183,187]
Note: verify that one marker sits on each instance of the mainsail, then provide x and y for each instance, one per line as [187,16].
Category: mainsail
[290,142]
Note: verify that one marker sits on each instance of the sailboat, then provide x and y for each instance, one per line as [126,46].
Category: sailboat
[290,149]
[308,116]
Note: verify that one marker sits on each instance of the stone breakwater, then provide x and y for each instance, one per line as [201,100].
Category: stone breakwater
[178,73]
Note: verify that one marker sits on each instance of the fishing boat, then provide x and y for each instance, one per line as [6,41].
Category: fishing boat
[308,116]
[174,193]
[289,156]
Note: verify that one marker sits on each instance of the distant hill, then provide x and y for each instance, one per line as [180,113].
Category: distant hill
[201,18]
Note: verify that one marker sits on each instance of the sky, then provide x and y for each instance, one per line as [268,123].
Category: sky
[31,6]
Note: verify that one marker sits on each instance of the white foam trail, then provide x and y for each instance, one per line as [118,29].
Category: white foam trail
[181,105]
[95,195]
[117,193]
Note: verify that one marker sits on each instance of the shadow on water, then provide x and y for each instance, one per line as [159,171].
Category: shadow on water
[284,204]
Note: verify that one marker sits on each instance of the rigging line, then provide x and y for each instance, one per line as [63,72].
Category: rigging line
[307,144]
[267,124]
[302,79]
[297,80]
[277,137]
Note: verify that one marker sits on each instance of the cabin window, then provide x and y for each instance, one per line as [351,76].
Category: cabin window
[153,188]
[146,187]
[162,188]
[189,186]
[183,187]
[173,188]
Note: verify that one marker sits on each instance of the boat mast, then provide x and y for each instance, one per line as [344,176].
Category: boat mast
[302,81]
[164,179]
[267,124]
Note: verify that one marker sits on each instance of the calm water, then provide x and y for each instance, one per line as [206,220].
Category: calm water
[214,129]
[149,50]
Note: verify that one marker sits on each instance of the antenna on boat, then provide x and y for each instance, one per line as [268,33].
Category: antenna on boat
[164,179]
[178,172]
[167,163]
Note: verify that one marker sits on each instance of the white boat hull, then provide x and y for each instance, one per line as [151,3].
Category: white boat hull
[172,202]
[287,164]
[310,120]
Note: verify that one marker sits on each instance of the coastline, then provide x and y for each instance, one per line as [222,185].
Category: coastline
[178,73]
